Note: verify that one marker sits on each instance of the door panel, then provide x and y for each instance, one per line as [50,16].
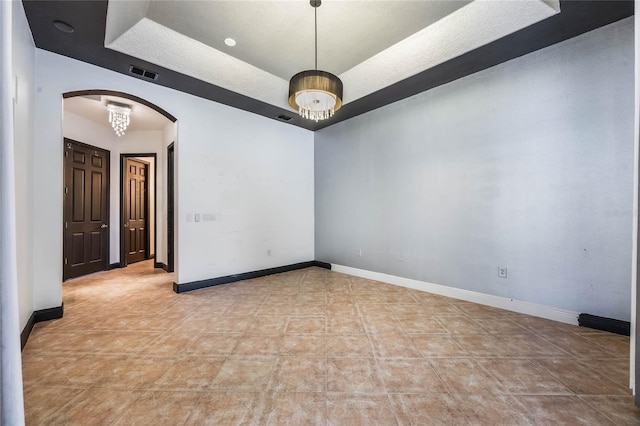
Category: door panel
[86,209]
[135,209]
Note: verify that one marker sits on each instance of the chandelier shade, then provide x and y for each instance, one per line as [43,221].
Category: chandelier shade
[316,95]
[119,117]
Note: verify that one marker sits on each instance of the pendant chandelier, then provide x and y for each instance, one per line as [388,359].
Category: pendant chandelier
[119,117]
[315,94]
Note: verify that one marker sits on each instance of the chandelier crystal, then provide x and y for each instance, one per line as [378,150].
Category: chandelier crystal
[316,95]
[119,117]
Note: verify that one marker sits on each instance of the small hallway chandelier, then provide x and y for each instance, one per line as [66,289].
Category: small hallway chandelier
[315,94]
[119,117]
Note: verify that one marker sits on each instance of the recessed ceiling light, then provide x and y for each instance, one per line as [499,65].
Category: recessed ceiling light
[63,26]
[229,41]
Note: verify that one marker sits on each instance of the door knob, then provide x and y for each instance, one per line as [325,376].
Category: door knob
[104,226]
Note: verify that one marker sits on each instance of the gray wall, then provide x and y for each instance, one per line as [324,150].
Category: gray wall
[527,165]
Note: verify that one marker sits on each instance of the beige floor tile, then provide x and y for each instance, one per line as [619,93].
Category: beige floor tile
[491,409]
[530,345]
[135,373]
[299,374]
[460,325]
[339,345]
[340,298]
[484,345]
[229,325]
[304,325]
[169,343]
[359,410]
[247,374]
[265,325]
[436,346]
[344,324]
[311,347]
[303,344]
[522,377]
[224,409]
[618,345]
[83,373]
[576,345]
[427,409]
[353,375]
[580,379]
[41,403]
[420,325]
[292,409]
[619,409]
[256,345]
[560,410]
[409,376]
[466,376]
[304,310]
[36,366]
[190,373]
[138,322]
[95,407]
[499,325]
[616,370]
[375,324]
[156,408]
[393,346]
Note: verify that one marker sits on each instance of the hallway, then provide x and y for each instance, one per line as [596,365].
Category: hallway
[311,347]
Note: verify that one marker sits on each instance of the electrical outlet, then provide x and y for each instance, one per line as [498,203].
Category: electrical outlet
[502,272]
[359,252]
[269,252]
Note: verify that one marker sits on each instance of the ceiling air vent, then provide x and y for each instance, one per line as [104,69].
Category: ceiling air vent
[283,117]
[143,73]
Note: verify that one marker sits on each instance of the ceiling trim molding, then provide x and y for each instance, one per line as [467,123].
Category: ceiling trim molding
[134,98]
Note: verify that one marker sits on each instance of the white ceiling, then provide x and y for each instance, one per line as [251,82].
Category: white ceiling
[94,108]
[348,31]
[368,44]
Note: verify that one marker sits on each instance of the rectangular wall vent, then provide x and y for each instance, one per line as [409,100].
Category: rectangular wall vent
[143,73]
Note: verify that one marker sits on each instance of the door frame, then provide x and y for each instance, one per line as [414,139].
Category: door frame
[108,216]
[123,161]
[169,267]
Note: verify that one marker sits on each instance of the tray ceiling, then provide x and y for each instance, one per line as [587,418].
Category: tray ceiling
[382,50]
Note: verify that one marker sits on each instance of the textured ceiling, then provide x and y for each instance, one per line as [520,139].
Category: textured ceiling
[434,32]
[481,34]
[278,36]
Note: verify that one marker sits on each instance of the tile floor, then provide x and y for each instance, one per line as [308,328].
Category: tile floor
[312,347]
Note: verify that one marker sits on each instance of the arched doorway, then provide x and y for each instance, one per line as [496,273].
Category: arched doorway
[103,189]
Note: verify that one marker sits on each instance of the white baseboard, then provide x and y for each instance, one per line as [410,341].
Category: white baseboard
[555,314]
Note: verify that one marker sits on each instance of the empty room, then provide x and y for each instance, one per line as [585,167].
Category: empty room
[318,212]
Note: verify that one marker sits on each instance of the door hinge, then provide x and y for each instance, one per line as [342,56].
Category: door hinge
[66,190]
[66,153]
[66,225]
[66,261]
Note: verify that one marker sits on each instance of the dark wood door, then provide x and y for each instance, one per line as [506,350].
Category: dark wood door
[136,204]
[170,195]
[86,209]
